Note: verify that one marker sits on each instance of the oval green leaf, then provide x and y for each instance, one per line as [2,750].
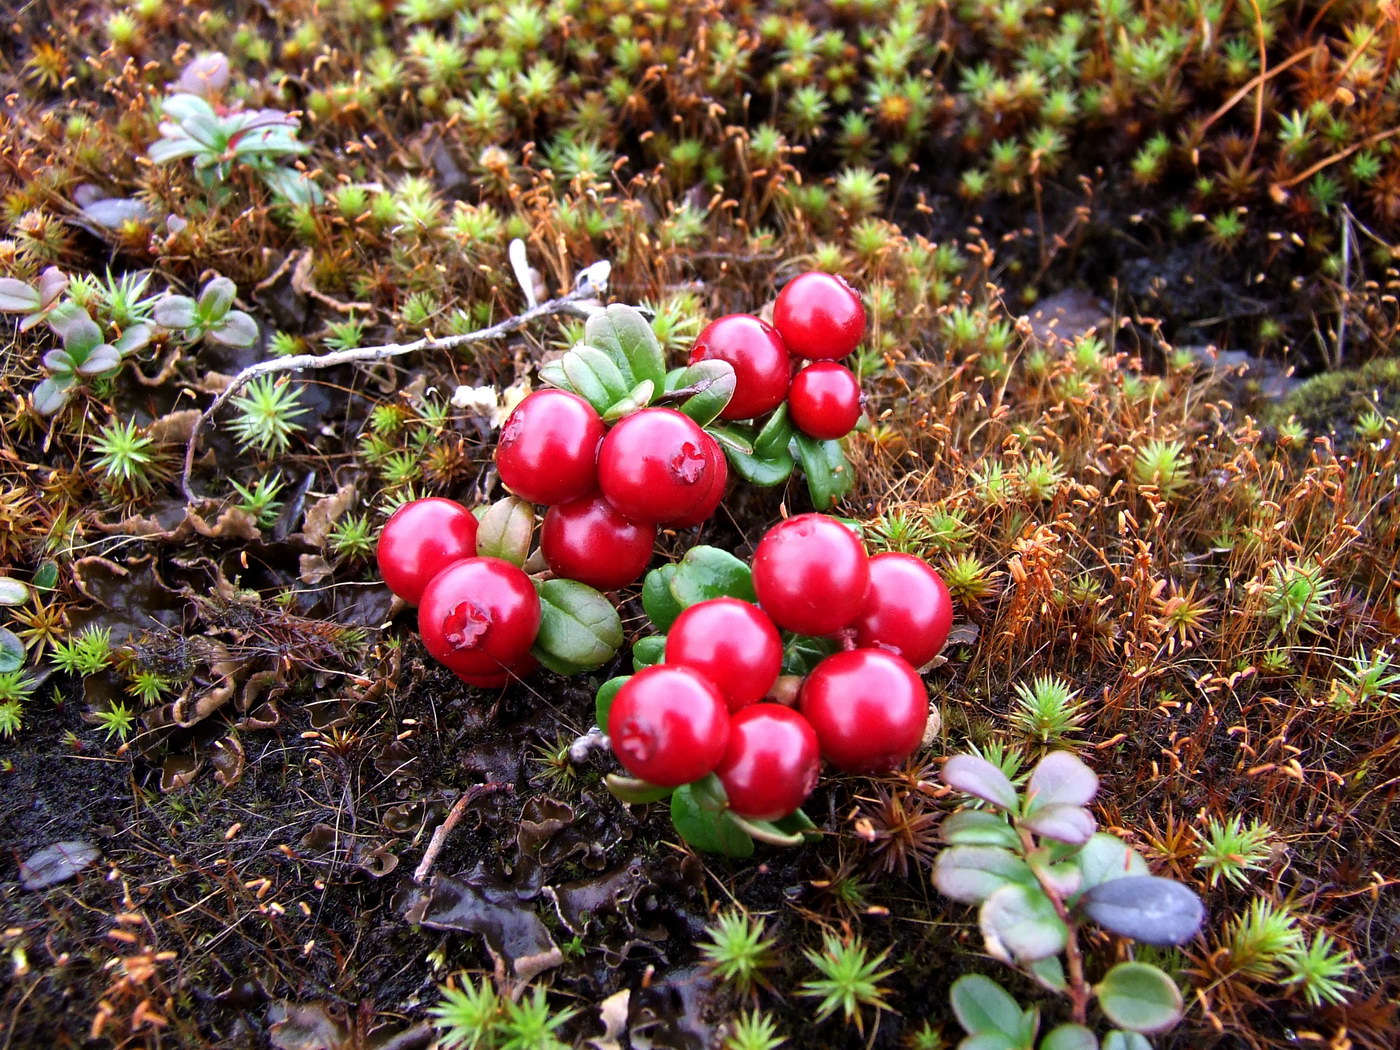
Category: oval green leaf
[603,699]
[1020,922]
[977,827]
[648,652]
[982,1005]
[624,334]
[579,627]
[1069,1037]
[828,472]
[714,382]
[776,434]
[709,572]
[700,816]
[658,601]
[582,366]
[12,591]
[1139,998]
[971,874]
[979,778]
[504,529]
[765,471]
[11,651]
[637,398]
[633,791]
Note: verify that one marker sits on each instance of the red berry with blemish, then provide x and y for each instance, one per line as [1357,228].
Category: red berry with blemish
[479,616]
[655,466]
[668,725]
[548,449]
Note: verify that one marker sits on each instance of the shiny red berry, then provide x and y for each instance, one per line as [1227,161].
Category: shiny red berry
[810,574]
[762,366]
[868,708]
[732,643]
[479,616]
[824,401]
[907,610]
[668,725]
[710,502]
[548,449]
[655,466]
[420,539]
[590,541]
[819,316]
[770,765]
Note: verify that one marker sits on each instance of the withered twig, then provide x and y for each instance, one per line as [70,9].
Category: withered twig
[454,817]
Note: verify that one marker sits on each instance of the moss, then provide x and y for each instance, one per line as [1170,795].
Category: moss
[1332,402]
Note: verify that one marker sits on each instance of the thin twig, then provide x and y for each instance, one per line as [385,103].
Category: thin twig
[454,817]
[301,362]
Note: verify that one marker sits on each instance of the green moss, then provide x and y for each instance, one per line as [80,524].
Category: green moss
[1332,403]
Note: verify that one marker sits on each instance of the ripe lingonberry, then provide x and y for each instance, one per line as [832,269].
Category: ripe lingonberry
[655,466]
[907,610]
[770,765]
[762,366]
[810,574]
[479,616]
[420,539]
[824,401]
[719,477]
[668,725]
[868,708]
[590,541]
[819,316]
[730,642]
[548,450]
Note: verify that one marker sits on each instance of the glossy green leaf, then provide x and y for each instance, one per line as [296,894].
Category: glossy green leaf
[237,329]
[11,651]
[992,1041]
[1139,998]
[13,591]
[46,576]
[648,651]
[582,366]
[802,653]
[1050,973]
[765,471]
[658,600]
[578,626]
[700,814]
[80,338]
[635,792]
[776,434]
[799,823]
[982,1005]
[1117,1040]
[732,438]
[767,831]
[1019,922]
[637,398]
[101,358]
[176,312]
[504,529]
[828,472]
[1069,1037]
[971,874]
[215,299]
[709,572]
[603,699]
[977,827]
[714,382]
[624,334]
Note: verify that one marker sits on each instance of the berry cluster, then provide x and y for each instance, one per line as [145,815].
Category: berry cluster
[717,704]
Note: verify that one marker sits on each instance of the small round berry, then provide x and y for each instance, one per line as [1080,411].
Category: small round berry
[589,541]
[479,616]
[824,401]
[771,763]
[762,366]
[548,449]
[868,708]
[730,642]
[420,539]
[907,610]
[819,316]
[710,502]
[655,465]
[668,725]
[810,574]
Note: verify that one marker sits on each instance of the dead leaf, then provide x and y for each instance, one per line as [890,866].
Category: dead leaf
[324,513]
[174,428]
[314,569]
[307,1026]
[56,864]
[612,1014]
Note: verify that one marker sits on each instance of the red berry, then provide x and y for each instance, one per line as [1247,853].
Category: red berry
[655,465]
[819,316]
[868,708]
[762,366]
[548,450]
[668,725]
[479,616]
[770,765]
[907,610]
[419,540]
[730,642]
[589,541]
[824,401]
[719,477]
[810,573]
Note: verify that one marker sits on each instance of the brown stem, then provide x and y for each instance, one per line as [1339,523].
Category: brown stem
[1079,991]
[454,817]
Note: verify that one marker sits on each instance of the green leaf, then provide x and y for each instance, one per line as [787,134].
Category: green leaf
[979,778]
[1116,1040]
[237,329]
[503,530]
[52,394]
[971,874]
[133,338]
[1050,973]
[802,653]
[635,792]
[829,474]
[767,831]
[638,397]
[13,591]
[46,576]
[11,651]
[102,358]
[732,438]
[553,375]
[1061,778]
[579,628]
[624,334]
[658,601]
[648,651]
[215,299]
[715,383]
[709,572]
[699,812]
[602,701]
[175,312]
[80,338]
[16,297]
[977,827]
[1105,857]
[982,1005]
[580,366]
[776,434]
[1140,998]
[766,470]
[1019,922]
[797,822]
[1069,1037]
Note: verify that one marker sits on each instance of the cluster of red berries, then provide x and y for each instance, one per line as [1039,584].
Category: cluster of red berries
[818,318]
[478,616]
[863,709]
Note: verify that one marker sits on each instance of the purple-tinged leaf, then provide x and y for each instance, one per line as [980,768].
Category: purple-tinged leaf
[977,827]
[1020,923]
[16,297]
[52,394]
[237,329]
[205,76]
[134,338]
[1063,823]
[175,312]
[1060,777]
[971,874]
[980,779]
[102,359]
[1145,908]
[1104,858]
[1140,998]
[112,212]
[55,864]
